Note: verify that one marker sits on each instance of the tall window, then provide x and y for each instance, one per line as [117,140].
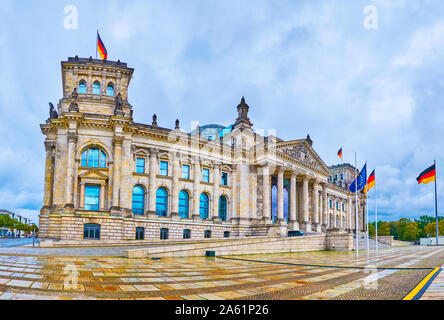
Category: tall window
[140,233]
[91,231]
[223,208]
[186,233]
[185,171]
[163,234]
[110,90]
[164,168]
[82,86]
[331,204]
[337,205]
[204,205]
[93,157]
[206,175]
[184,204]
[207,234]
[140,165]
[96,87]
[343,207]
[138,200]
[224,179]
[92,198]
[161,202]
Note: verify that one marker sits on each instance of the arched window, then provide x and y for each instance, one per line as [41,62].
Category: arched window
[184,204]
[204,205]
[93,157]
[223,208]
[138,200]
[91,231]
[110,90]
[96,87]
[82,86]
[161,202]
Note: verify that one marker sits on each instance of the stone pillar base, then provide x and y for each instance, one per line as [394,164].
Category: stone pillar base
[151,214]
[116,211]
[217,220]
[266,220]
[175,216]
[196,218]
[305,226]
[45,210]
[316,227]
[68,208]
[293,225]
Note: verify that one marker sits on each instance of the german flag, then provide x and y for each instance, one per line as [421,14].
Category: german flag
[340,153]
[427,175]
[101,48]
[370,182]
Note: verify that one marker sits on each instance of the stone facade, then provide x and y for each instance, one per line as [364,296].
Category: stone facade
[272,185]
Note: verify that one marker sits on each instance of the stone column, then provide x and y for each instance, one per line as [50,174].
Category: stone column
[82,195]
[280,195]
[216,192]
[117,141]
[324,207]
[315,205]
[102,197]
[175,187]
[294,225]
[153,183]
[253,192]
[49,177]
[196,189]
[69,192]
[266,194]
[305,214]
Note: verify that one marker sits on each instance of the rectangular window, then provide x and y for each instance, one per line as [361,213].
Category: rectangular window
[187,234]
[163,234]
[331,204]
[337,205]
[140,165]
[342,176]
[343,207]
[164,168]
[185,171]
[92,198]
[206,175]
[224,179]
[207,234]
[226,234]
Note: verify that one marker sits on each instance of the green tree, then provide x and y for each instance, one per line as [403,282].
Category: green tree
[371,229]
[410,232]
[430,229]
[394,229]
[383,228]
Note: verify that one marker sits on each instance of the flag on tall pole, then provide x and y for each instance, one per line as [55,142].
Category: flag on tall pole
[101,47]
[370,182]
[340,153]
[429,175]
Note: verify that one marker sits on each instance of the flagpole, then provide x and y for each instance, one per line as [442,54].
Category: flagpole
[97,41]
[356,207]
[436,207]
[366,209]
[376,215]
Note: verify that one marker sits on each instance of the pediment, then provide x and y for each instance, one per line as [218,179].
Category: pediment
[93,175]
[302,151]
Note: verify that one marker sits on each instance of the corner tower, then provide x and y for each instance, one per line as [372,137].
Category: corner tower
[93,86]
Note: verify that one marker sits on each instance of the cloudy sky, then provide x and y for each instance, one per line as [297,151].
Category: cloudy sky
[304,67]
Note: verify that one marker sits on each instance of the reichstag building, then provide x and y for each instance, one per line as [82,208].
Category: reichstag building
[109,178]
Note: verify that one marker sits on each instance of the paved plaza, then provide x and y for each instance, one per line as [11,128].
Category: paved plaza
[308,275]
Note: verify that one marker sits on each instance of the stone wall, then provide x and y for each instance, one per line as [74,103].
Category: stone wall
[257,245]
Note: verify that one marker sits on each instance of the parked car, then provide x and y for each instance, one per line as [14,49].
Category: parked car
[297,233]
